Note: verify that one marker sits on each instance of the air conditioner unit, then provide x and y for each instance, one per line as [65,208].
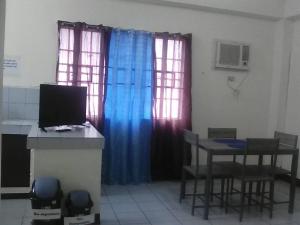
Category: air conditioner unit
[232,55]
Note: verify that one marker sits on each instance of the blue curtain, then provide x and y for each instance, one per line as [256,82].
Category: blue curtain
[128,106]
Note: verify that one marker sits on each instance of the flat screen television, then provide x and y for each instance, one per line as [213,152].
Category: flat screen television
[62,105]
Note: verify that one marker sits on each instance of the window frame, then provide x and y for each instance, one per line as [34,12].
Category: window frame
[92,77]
[161,109]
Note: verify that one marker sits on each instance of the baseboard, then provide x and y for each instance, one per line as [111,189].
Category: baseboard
[287,178]
[15,196]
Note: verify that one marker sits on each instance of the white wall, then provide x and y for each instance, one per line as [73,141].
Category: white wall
[292,119]
[2,29]
[280,81]
[272,9]
[284,107]
[292,8]
[32,34]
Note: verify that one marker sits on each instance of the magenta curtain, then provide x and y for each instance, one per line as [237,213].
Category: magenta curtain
[172,104]
[82,61]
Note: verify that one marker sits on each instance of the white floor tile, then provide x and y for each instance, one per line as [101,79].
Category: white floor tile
[158,204]
[8,220]
[120,199]
[148,197]
[132,218]
[160,217]
[152,206]
[109,218]
[125,207]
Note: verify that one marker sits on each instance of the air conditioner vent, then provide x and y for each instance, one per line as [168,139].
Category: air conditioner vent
[232,55]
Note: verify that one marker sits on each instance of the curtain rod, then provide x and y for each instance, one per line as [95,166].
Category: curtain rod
[73,24]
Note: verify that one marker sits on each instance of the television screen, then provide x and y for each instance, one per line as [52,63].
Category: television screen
[62,105]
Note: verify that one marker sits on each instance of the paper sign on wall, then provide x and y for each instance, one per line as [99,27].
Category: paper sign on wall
[12,65]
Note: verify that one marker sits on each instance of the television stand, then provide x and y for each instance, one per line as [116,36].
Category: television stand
[73,157]
[63,128]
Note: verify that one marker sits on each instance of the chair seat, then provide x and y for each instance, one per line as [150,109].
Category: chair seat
[217,171]
[278,170]
[229,164]
[254,173]
[267,170]
[258,178]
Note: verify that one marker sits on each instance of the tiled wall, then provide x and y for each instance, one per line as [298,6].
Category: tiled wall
[20,103]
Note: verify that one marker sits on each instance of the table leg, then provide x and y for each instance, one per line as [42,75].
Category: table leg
[208,185]
[258,184]
[293,181]
[97,218]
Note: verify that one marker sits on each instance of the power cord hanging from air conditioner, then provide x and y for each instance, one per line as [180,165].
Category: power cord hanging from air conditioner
[236,90]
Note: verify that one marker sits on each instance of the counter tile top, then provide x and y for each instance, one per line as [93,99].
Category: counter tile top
[19,122]
[21,127]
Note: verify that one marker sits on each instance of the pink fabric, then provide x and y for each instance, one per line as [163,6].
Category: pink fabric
[172,103]
[82,62]
[169,78]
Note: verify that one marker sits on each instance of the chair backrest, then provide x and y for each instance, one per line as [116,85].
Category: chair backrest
[191,139]
[222,133]
[262,144]
[268,146]
[288,140]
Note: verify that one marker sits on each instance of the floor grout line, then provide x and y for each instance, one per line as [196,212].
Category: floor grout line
[140,208]
[157,192]
[114,212]
[166,206]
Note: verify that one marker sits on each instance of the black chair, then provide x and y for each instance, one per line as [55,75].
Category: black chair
[288,141]
[285,140]
[225,133]
[222,133]
[198,171]
[257,173]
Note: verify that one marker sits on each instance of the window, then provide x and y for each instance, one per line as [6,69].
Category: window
[81,63]
[169,78]
[66,54]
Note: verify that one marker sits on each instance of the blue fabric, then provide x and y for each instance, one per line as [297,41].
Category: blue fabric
[128,106]
[238,145]
[234,143]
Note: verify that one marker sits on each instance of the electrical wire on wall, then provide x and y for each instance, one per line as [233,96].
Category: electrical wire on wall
[237,88]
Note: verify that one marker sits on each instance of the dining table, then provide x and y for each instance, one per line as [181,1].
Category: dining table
[235,147]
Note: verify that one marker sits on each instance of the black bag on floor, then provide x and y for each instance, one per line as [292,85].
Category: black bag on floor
[78,203]
[46,196]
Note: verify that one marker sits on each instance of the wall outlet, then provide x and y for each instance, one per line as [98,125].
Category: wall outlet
[231,78]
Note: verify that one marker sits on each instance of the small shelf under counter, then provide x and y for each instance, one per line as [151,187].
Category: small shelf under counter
[15,159]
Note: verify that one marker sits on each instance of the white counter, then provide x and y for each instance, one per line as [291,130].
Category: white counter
[78,138]
[74,157]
